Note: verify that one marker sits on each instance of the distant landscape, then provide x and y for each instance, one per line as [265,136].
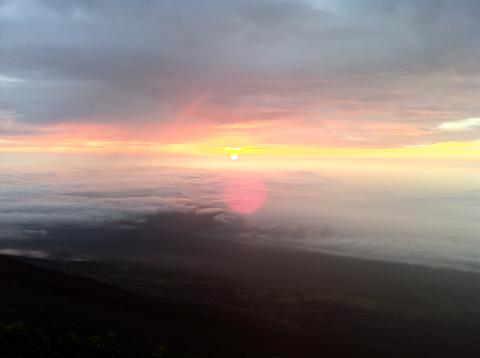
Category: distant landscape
[239,178]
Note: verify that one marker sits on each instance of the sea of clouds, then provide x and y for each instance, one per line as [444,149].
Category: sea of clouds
[304,210]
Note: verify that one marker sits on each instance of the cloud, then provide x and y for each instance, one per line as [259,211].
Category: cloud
[223,61]
[461,125]
[142,212]
[25,253]
[6,79]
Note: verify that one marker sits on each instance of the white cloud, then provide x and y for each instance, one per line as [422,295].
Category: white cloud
[8,79]
[461,125]
[28,253]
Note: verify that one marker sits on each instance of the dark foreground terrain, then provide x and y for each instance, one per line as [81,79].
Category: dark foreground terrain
[263,303]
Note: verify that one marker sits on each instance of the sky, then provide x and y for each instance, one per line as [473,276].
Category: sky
[299,78]
[350,127]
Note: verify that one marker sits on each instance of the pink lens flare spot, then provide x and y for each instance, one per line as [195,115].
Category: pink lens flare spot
[245,195]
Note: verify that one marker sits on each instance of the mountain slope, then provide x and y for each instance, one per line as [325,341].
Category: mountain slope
[46,313]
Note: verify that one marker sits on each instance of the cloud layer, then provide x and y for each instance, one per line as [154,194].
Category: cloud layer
[140,212]
[367,72]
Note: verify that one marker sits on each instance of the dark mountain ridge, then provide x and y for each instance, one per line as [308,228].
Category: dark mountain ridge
[281,304]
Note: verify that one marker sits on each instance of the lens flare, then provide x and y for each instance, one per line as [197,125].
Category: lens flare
[245,195]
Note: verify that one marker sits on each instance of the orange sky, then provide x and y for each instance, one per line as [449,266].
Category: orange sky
[265,139]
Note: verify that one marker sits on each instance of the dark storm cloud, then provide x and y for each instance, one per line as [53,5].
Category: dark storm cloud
[144,60]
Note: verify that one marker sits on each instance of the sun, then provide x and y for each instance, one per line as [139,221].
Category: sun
[233,152]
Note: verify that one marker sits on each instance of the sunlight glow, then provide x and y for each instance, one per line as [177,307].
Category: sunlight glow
[94,140]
